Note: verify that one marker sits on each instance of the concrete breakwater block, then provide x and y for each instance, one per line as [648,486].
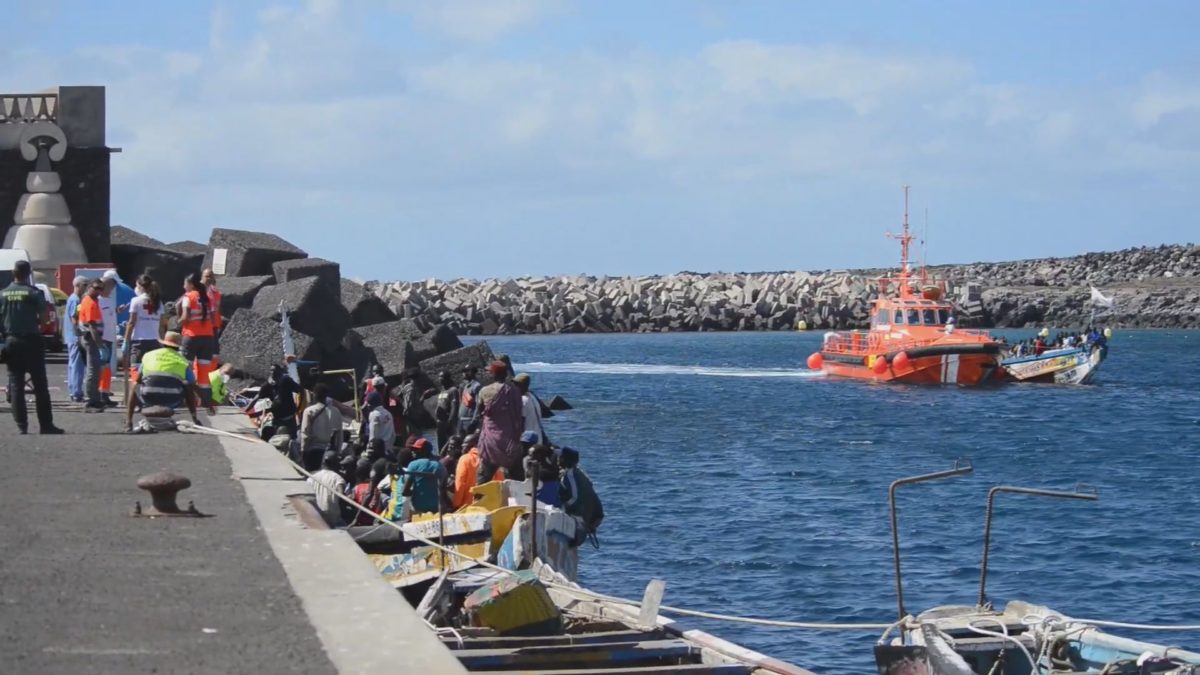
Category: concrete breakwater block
[313,309]
[239,292]
[365,308]
[388,345]
[478,355]
[302,268]
[252,343]
[135,254]
[250,253]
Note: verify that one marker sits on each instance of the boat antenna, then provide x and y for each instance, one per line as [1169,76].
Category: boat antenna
[905,239]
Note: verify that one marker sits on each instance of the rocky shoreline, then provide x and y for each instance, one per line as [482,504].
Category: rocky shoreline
[1151,287]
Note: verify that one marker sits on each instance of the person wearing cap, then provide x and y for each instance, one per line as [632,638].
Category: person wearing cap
[76,355]
[23,310]
[531,409]
[165,379]
[500,406]
[578,495]
[320,428]
[91,341]
[424,480]
[446,413]
[111,309]
[381,429]
[468,415]
[466,472]
[327,484]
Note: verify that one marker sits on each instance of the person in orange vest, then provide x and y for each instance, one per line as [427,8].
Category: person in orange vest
[199,342]
[214,304]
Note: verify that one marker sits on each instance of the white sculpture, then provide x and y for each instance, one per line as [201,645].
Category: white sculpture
[42,223]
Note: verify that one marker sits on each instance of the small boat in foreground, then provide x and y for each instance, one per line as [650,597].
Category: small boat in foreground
[913,338]
[1069,365]
[1021,639]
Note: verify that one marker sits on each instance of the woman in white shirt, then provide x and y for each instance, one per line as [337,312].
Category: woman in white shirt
[146,321]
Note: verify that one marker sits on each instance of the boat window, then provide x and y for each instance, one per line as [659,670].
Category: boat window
[899,318]
[943,315]
[929,317]
[914,317]
[881,317]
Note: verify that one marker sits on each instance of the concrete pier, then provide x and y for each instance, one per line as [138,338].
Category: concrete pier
[89,589]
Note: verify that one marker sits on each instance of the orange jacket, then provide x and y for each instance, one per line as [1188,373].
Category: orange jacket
[194,322]
[464,477]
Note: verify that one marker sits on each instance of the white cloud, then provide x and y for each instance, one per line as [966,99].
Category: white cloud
[480,20]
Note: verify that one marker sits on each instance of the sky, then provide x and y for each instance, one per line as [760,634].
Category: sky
[485,138]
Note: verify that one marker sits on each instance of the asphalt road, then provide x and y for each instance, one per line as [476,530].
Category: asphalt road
[86,588]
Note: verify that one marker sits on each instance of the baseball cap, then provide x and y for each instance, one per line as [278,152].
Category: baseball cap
[110,275]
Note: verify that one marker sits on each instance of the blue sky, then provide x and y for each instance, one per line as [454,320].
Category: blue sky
[513,137]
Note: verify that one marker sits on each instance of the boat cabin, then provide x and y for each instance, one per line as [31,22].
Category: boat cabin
[892,313]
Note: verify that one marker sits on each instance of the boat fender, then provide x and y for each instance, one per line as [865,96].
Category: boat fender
[901,361]
[815,361]
[881,365]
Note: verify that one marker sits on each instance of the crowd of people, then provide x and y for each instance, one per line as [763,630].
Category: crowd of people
[1092,338]
[484,433]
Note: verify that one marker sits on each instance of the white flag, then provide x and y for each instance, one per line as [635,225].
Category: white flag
[1099,298]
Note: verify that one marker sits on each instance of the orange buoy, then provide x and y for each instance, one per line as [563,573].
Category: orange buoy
[901,361]
[881,365]
[815,361]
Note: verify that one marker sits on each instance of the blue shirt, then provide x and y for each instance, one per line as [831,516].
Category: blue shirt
[426,491]
[71,313]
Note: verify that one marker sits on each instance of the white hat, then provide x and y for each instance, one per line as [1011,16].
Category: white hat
[110,275]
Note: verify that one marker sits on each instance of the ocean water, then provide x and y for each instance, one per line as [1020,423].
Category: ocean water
[755,488]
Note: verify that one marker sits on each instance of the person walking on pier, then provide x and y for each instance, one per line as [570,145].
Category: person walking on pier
[196,321]
[147,323]
[110,308]
[500,406]
[76,355]
[214,304]
[23,310]
[91,341]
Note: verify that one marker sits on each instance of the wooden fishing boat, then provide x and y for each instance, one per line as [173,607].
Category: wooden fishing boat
[592,635]
[912,338]
[1022,639]
[1069,365]
[522,611]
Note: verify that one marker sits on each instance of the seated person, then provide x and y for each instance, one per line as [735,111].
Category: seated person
[165,381]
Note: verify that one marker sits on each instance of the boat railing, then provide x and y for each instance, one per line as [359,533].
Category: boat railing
[863,342]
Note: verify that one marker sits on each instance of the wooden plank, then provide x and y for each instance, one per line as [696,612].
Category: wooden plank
[684,669]
[657,652]
[497,642]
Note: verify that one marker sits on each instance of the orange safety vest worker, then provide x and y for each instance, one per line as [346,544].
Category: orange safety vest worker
[194,322]
[214,307]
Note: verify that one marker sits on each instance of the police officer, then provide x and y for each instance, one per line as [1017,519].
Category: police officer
[23,309]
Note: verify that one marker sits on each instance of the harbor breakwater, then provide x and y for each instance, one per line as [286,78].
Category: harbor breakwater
[1149,287]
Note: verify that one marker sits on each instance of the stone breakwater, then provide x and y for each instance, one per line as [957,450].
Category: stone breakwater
[1150,287]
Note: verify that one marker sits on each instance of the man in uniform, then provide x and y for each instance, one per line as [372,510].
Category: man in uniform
[23,309]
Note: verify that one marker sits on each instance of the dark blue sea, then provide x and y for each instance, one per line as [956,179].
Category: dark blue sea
[757,489]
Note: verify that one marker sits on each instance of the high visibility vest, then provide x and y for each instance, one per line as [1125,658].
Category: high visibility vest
[162,378]
[195,323]
[214,307]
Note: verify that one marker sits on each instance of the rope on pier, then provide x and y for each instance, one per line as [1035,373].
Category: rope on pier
[187,427]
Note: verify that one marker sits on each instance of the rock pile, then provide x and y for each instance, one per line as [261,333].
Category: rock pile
[1152,287]
[336,323]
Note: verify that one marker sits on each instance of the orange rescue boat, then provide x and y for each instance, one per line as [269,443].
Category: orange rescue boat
[912,338]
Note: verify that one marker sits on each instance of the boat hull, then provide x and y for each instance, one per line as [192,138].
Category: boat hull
[968,369]
[1061,366]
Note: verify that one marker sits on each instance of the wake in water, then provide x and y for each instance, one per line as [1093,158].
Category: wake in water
[661,369]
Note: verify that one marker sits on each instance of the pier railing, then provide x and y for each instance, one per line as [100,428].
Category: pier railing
[28,108]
